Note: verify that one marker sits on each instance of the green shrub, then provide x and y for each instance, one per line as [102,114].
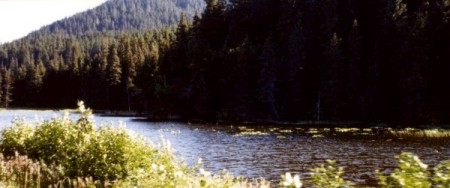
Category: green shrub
[65,153]
[412,172]
[13,139]
[328,176]
[81,151]
[441,176]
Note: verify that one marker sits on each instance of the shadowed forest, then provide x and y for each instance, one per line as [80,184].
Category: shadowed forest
[243,60]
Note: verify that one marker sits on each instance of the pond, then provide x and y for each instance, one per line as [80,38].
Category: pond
[257,151]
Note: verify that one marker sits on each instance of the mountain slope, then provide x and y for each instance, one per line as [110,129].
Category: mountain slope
[125,15]
[83,52]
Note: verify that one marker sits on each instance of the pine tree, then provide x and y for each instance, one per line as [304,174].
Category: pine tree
[355,75]
[240,98]
[113,70]
[413,61]
[75,58]
[6,87]
[103,57]
[293,82]
[24,55]
[34,75]
[54,62]
[268,79]
[332,81]
[182,30]
[128,63]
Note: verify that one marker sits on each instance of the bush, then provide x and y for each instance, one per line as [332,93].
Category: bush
[412,172]
[441,176]
[13,139]
[328,176]
[65,153]
[104,154]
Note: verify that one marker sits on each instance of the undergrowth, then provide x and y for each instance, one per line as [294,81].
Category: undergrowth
[62,152]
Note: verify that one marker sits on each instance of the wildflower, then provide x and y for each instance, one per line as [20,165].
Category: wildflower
[297,182]
[289,181]
[178,174]
[81,107]
[204,173]
[422,165]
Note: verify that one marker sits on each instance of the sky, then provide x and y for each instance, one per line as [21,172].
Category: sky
[20,17]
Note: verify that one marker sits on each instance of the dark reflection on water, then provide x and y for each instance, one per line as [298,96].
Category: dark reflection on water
[274,151]
[272,154]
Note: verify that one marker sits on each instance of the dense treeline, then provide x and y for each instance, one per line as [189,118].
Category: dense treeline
[116,15]
[100,68]
[246,60]
[370,61]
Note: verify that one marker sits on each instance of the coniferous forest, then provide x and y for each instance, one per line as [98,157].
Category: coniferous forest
[380,61]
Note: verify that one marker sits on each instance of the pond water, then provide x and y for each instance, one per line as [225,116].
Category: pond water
[268,152]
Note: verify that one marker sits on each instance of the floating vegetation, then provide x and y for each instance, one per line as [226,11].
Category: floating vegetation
[345,132]
[242,128]
[254,133]
[285,131]
[412,133]
[312,131]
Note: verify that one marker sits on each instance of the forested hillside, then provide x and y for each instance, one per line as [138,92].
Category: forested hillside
[251,60]
[119,15]
[100,68]
[78,57]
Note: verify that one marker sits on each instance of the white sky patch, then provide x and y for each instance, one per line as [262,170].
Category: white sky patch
[20,17]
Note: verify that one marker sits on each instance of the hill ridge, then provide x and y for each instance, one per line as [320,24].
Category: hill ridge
[120,15]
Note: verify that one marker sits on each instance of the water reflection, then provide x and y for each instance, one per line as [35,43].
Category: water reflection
[270,151]
[268,155]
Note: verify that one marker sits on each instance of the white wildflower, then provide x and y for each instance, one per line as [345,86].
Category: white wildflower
[289,181]
[178,174]
[297,182]
[422,165]
[204,173]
